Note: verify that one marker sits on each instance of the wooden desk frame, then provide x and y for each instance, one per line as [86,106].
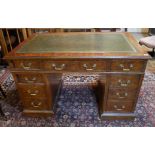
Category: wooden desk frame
[120,78]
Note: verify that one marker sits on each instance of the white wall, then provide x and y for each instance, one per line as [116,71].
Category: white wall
[143,30]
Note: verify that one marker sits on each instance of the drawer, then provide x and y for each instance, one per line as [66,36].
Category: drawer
[127,65]
[124,81]
[60,66]
[32,91]
[27,64]
[35,104]
[29,78]
[121,94]
[117,106]
[90,66]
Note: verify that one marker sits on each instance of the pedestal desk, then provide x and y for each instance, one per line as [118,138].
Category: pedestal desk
[38,63]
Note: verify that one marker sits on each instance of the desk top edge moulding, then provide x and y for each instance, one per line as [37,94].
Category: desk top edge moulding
[39,62]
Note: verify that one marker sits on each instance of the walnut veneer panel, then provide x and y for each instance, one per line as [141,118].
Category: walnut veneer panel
[29,78]
[121,106]
[32,91]
[35,104]
[124,81]
[128,65]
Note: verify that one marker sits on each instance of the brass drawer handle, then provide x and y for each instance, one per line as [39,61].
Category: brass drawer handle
[126,69]
[30,81]
[26,67]
[36,105]
[33,93]
[123,96]
[124,84]
[89,69]
[58,68]
[119,109]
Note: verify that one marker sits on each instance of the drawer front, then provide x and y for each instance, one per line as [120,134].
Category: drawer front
[124,81]
[92,66]
[35,104]
[127,65]
[32,91]
[29,78]
[117,106]
[121,94]
[74,66]
[27,64]
[59,66]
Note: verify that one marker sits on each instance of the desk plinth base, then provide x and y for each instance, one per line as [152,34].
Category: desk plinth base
[117,116]
[38,113]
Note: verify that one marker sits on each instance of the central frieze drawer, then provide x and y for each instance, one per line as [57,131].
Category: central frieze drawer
[32,91]
[92,66]
[60,66]
[127,65]
[75,66]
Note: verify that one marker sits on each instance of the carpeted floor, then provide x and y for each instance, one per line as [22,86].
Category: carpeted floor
[76,106]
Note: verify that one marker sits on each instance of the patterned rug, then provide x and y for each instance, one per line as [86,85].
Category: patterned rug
[76,106]
[6,81]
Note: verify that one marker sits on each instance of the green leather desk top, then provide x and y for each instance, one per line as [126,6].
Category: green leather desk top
[78,43]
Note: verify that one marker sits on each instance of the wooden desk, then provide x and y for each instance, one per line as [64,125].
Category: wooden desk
[38,63]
